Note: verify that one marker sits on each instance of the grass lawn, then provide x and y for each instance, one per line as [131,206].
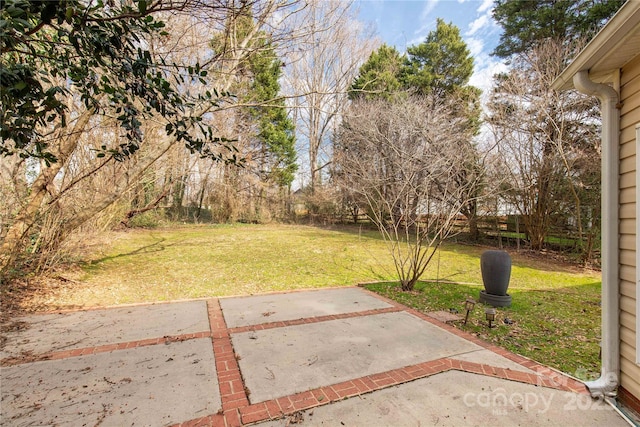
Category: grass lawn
[555,311]
[223,260]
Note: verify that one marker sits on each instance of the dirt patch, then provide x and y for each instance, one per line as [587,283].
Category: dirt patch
[35,294]
[24,357]
[28,295]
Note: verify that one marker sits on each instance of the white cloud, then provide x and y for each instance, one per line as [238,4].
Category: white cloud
[485,6]
[486,68]
[475,46]
[478,24]
[428,7]
[427,23]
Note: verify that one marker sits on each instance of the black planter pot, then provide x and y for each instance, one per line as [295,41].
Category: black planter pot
[496,273]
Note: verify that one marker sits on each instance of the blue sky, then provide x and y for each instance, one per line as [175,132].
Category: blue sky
[404,23]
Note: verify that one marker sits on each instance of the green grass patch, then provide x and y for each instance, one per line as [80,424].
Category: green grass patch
[223,260]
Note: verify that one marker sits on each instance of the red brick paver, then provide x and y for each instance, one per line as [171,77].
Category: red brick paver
[238,410]
[105,348]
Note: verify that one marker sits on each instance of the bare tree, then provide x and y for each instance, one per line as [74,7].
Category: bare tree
[547,141]
[400,160]
[319,72]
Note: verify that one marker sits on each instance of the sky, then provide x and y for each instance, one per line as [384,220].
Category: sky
[403,23]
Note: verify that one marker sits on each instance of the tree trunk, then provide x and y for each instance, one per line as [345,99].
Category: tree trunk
[39,190]
[471,213]
[474,232]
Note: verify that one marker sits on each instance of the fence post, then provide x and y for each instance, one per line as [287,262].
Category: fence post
[517,233]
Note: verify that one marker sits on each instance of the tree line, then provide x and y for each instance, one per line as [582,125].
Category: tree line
[117,113]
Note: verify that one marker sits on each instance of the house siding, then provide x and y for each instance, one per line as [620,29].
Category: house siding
[629,119]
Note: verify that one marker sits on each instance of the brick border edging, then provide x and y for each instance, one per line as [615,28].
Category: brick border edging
[233,393]
[103,348]
[237,409]
[556,377]
[310,320]
[287,405]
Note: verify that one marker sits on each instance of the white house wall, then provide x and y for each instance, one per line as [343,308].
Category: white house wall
[629,120]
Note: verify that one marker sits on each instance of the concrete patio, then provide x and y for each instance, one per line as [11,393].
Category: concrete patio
[323,357]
